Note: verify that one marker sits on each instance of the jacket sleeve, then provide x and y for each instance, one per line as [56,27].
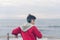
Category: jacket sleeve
[37,32]
[16,31]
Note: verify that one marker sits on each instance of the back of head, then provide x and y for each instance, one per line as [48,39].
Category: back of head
[30,17]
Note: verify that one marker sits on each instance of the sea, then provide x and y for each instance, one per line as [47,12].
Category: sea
[48,27]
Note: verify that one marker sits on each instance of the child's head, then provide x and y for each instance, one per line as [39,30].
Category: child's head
[31,19]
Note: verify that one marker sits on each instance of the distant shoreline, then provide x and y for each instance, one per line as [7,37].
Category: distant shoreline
[49,37]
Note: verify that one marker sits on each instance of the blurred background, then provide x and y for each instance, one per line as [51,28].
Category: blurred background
[13,13]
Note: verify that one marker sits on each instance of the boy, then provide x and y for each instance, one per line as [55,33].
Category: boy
[28,31]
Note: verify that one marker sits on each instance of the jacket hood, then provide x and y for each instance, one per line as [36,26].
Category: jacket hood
[26,27]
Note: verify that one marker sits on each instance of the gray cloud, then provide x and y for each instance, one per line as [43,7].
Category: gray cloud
[44,8]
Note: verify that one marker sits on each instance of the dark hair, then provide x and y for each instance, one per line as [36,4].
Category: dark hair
[29,17]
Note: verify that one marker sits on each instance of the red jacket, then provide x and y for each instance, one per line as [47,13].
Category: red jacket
[31,34]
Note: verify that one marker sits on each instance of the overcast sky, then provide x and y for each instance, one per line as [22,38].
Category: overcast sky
[19,9]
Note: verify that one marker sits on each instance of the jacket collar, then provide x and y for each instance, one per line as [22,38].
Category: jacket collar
[26,27]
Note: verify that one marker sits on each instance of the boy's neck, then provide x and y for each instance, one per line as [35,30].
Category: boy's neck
[32,23]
